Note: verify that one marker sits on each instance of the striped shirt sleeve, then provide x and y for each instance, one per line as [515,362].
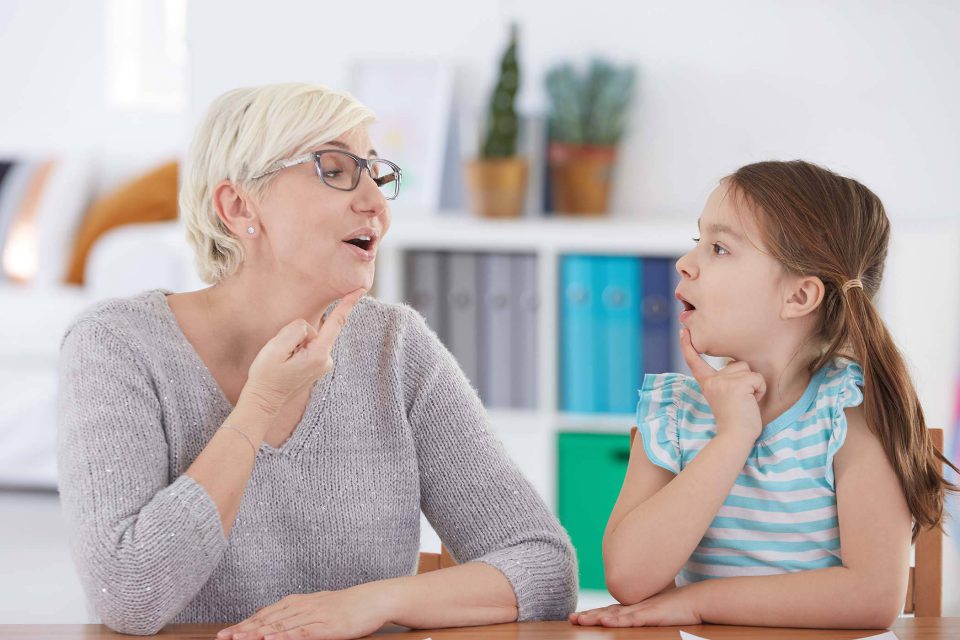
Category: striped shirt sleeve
[657,412]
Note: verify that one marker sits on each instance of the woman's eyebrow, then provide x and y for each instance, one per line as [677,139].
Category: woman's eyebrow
[337,143]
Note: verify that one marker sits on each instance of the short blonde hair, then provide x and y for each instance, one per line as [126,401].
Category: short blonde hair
[245,132]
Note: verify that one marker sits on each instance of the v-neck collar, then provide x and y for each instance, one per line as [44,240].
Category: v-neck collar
[315,403]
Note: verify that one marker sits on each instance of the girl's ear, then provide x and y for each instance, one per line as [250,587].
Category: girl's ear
[804,296]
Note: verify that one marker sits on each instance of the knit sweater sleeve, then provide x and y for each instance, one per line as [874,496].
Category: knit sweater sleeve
[144,543]
[471,492]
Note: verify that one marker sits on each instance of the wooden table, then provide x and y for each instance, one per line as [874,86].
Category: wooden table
[906,629]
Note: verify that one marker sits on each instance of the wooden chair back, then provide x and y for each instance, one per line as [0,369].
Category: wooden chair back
[434,561]
[925,588]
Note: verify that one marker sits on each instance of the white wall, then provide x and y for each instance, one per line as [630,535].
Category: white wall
[52,82]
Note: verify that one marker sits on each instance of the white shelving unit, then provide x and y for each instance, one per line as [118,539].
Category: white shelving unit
[530,436]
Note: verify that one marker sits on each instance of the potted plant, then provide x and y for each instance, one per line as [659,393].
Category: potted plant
[586,122]
[497,180]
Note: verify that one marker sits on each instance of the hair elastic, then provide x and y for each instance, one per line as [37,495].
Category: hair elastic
[850,284]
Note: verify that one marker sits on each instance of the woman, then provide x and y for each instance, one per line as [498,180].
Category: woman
[224,450]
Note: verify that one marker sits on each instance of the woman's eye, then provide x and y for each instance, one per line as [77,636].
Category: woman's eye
[719,249]
[332,173]
[696,240]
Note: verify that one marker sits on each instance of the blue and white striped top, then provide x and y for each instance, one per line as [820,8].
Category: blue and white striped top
[781,515]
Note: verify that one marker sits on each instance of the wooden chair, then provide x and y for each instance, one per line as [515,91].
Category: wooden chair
[434,561]
[925,587]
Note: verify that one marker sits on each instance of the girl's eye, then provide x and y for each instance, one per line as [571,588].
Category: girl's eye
[696,240]
[719,249]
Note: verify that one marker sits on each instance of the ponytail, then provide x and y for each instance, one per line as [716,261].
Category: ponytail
[891,405]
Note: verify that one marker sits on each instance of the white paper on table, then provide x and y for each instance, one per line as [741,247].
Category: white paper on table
[887,635]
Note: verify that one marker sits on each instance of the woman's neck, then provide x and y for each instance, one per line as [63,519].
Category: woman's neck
[251,311]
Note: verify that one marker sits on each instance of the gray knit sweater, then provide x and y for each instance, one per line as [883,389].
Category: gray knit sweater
[394,429]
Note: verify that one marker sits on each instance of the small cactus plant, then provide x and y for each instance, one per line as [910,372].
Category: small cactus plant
[502,124]
[589,110]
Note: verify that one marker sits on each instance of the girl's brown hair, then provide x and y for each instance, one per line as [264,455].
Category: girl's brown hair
[816,222]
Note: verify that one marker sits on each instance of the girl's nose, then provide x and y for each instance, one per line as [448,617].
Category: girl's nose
[686,267]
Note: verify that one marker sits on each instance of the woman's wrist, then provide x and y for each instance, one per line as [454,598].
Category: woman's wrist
[387,597]
[250,417]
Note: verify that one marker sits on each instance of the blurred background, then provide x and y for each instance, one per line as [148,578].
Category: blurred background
[556,157]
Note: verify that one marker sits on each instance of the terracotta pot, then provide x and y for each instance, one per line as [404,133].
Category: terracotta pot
[497,186]
[580,178]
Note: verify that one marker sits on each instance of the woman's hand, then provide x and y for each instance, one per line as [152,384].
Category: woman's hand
[733,393]
[295,358]
[666,609]
[333,615]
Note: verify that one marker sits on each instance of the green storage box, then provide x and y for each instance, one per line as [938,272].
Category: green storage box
[590,469]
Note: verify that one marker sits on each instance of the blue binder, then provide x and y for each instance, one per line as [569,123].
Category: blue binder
[658,339]
[622,328]
[579,335]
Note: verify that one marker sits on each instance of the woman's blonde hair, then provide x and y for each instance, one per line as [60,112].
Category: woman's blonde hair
[245,132]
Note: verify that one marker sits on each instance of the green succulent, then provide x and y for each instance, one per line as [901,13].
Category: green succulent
[589,109]
[502,123]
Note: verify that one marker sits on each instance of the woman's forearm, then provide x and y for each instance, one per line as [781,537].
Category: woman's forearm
[837,597]
[645,550]
[465,595]
[224,466]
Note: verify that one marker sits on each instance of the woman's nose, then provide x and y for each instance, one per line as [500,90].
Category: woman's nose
[369,199]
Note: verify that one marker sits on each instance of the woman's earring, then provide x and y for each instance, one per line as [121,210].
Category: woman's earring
[251,230]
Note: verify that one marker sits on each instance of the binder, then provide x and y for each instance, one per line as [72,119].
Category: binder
[423,287]
[579,334]
[461,312]
[496,311]
[524,329]
[658,339]
[621,323]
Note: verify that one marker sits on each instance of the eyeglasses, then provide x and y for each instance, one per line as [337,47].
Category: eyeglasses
[341,170]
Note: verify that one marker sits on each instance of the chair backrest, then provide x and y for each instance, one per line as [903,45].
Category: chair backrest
[925,587]
[434,561]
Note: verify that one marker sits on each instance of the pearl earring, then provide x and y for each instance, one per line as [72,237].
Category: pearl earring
[251,230]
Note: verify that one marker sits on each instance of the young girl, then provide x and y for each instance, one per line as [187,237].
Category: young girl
[782,489]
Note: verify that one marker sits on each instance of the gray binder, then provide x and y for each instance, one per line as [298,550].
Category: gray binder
[460,306]
[496,333]
[524,329]
[423,287]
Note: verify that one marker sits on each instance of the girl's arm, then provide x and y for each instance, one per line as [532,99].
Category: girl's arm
[659,518]
[658,521]
[868,591]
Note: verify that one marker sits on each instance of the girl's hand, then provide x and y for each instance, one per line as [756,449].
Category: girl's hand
[295,358]
[331,615]
[667,609]
[733,393]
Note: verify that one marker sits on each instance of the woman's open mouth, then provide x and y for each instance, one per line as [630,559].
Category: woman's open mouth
[363,243]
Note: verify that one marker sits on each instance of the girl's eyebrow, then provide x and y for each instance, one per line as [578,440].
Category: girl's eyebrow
[721,229]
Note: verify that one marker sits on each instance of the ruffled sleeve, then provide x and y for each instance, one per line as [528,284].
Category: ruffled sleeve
[657,417]
[845,390]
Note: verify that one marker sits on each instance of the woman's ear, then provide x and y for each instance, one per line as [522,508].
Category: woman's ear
[231,208]
[803,297]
